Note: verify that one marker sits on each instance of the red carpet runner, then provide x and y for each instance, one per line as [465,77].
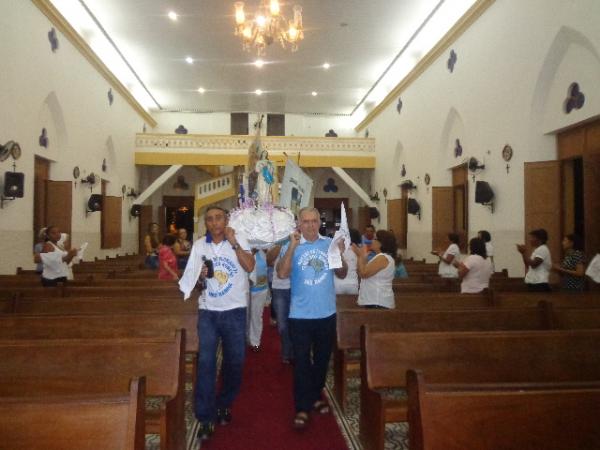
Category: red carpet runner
[264,410]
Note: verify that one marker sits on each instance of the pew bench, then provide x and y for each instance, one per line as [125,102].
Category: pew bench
[549,416]
[464,357]
[101,366]
[74,422]
[346,356]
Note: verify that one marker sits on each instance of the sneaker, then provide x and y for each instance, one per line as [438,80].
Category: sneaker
[224,416]
[205,430]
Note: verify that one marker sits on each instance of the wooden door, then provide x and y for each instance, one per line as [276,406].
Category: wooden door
[543,202]
[460,183]
[442,202]
[59,205]
[41,173]
[111,217]
[397,220]
[591,203]
[145,219]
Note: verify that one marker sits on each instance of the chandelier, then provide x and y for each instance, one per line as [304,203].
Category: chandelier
[267,25]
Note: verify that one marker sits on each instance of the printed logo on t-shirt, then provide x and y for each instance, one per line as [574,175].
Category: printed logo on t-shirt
[225,270]
[316,262]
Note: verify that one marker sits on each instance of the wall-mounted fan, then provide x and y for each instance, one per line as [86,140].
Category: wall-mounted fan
[91,180]
[408,185]
[474,165]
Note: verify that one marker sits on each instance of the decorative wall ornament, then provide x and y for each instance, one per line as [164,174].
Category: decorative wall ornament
[507,153]
[330,186]
[53,40]
[367,133]
[111,97]
[452,61]
[427,179]
[76,172]
[575,98]
[458,150]
[399,106]
[331,133]
[104,165]
[43,139]
[181,130]
[403,171]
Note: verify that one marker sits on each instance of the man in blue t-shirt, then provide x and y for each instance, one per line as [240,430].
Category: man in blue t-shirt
[312,311]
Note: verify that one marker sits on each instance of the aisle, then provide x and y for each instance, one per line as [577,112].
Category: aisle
[263,412]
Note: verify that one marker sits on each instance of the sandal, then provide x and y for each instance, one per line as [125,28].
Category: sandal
[321,407]
[300,421]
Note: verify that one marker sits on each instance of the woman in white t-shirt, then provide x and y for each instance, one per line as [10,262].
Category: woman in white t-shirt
[475,271]
[447,268]
[539,263]
[377,274]
[349,285]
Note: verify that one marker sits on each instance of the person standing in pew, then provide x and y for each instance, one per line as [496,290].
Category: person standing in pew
[54,258]
[572,267]
[377,275]
[167,262]
[225,260]
[447,268]
[475,271]
[312,320]
[539,263]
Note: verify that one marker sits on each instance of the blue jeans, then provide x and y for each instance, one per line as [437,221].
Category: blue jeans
[151,262]
[312,340]
[230,327]
[281,302]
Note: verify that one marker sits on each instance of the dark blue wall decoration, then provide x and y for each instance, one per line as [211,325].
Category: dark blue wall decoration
[575,98]
[458,150]
[452,61]
[181,130]
[110,97]
[43,140]
[403,171]
[53,40]
[399,106]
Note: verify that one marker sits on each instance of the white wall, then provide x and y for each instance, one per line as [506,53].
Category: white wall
[63,93]
[514,67]
[219,123]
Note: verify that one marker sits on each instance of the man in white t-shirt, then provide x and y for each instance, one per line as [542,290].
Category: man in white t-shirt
[539,263]
[222,315]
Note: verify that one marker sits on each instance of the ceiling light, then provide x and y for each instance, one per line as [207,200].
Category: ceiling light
[172,15]
[326,66]
[313,93]
[201,90]
[189,60]
[259,63]
[267,26]
[258,92]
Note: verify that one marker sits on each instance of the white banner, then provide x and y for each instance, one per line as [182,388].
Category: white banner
[296,188]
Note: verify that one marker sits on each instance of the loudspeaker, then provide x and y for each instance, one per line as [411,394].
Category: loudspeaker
[135,210]
[483,192]
[373,213]
[95,203]
[13,184]
[413,206]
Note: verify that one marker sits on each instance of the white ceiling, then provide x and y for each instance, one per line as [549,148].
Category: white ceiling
[359,38]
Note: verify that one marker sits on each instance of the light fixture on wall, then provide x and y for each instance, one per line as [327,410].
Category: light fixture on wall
[132,193]
[267,25]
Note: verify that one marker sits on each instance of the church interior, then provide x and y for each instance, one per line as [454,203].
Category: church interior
[425,119]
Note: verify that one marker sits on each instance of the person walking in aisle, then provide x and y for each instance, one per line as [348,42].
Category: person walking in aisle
[312,312]
[221,316]
[259,294]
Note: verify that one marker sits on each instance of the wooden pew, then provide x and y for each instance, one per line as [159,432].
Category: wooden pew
[407,301]
[74,422]
[346,362]
[100,326]
[99,305]
[99,366]
[465,357]
[549,416]
[558,299]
